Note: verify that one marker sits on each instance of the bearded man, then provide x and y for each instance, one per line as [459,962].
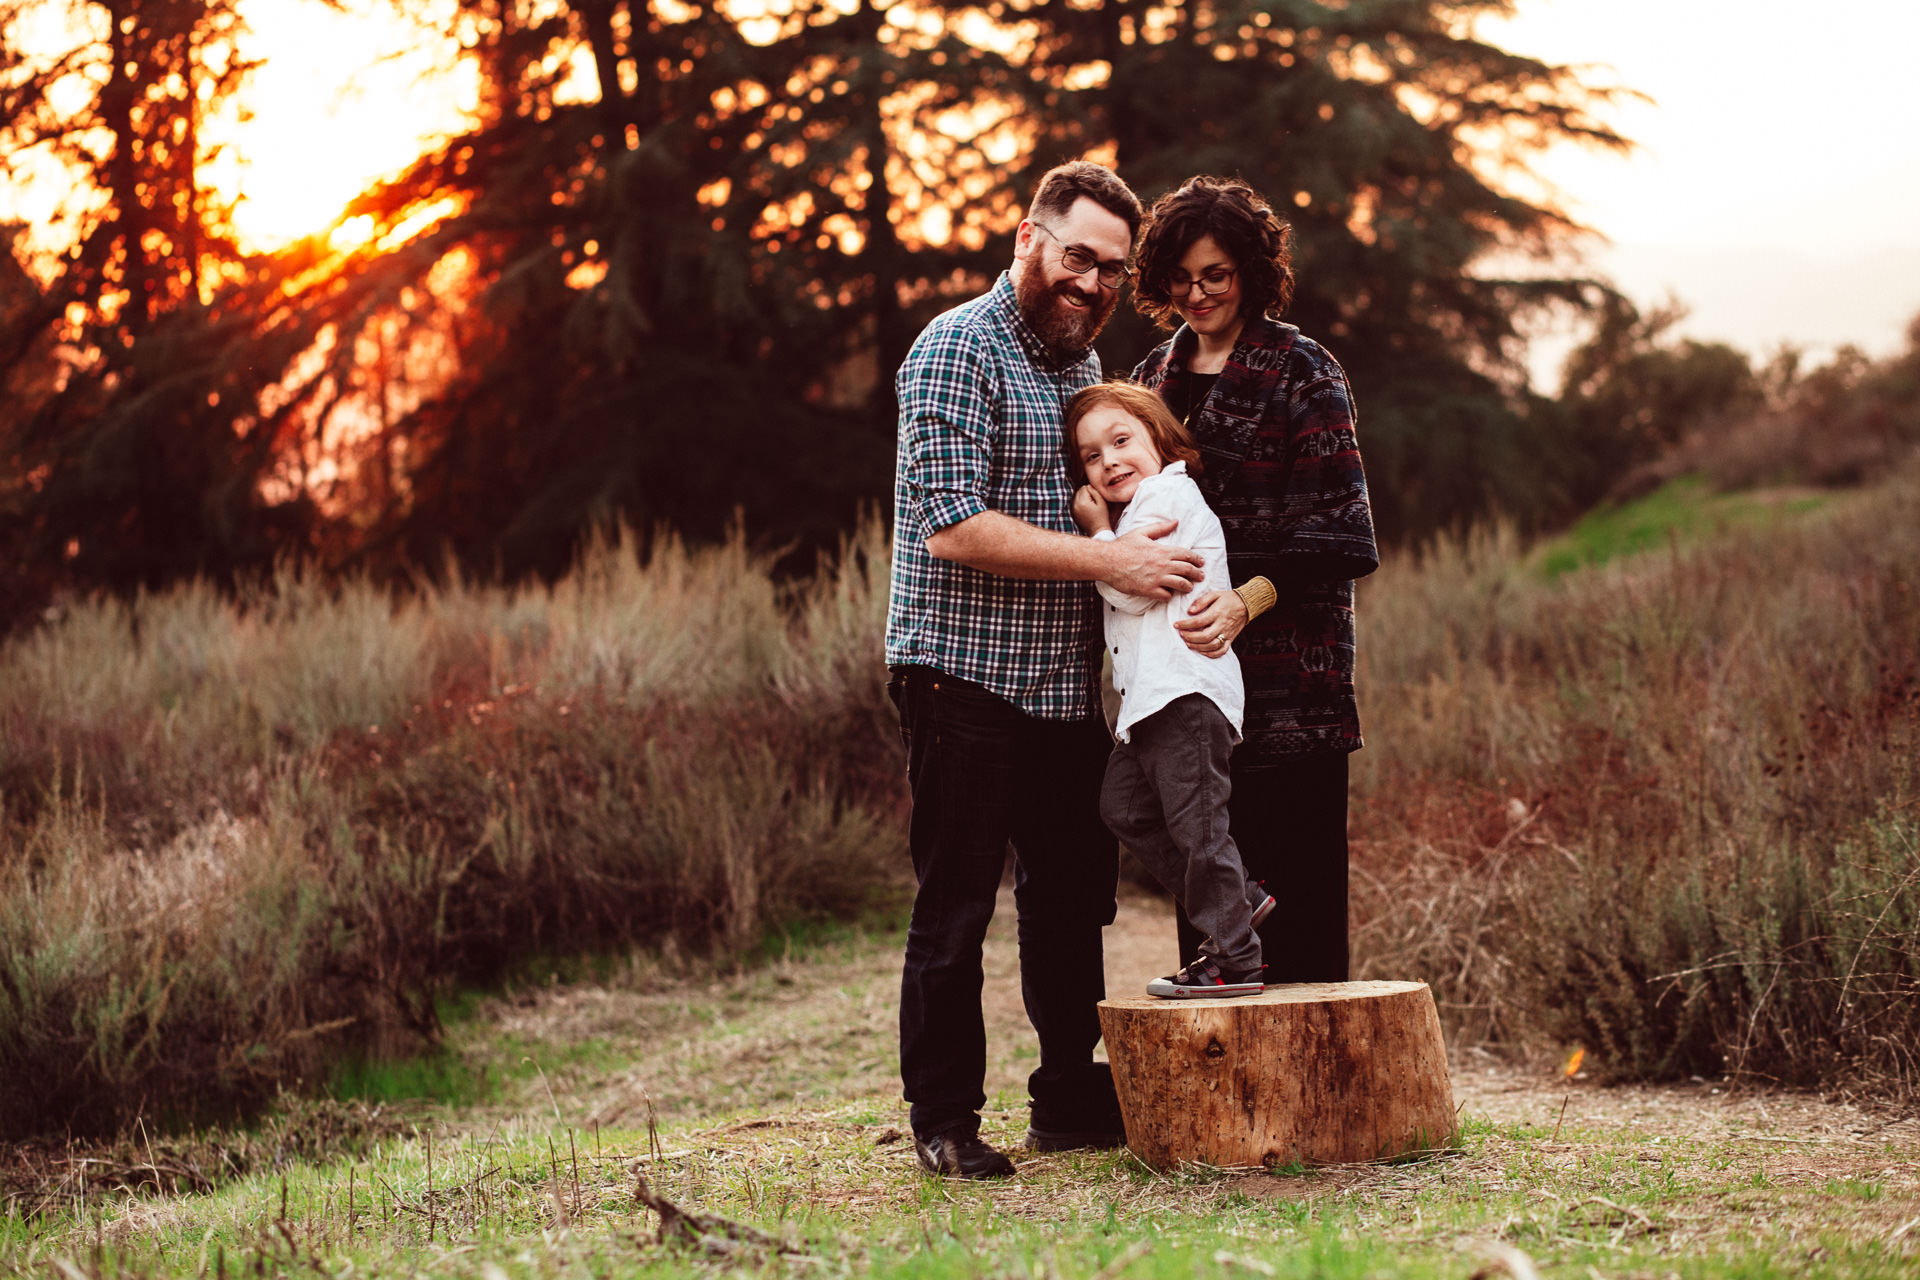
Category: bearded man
[993,640]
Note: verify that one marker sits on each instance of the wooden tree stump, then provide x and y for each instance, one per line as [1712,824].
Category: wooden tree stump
[1305,1073]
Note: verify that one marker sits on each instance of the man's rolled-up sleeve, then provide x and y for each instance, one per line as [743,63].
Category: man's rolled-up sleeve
[946,393]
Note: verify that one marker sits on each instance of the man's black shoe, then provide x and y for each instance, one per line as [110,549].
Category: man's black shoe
[960,1155]
[1082,1116]
[1074,1139]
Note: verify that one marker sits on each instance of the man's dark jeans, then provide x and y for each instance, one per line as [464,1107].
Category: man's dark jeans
[983,774]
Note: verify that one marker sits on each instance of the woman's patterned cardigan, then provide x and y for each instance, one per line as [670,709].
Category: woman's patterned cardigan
[1281,468]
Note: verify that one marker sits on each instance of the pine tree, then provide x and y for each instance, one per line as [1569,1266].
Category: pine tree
[1373,126]
[681,288]
[680,297]
[121,462]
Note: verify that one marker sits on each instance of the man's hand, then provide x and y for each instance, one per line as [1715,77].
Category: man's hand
[1090,511]
[1143,566]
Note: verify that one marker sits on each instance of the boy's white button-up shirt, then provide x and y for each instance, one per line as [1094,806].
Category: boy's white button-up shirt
[1152,665]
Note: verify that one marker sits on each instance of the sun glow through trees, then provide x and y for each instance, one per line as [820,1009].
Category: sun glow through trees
[342,98]
[338,98]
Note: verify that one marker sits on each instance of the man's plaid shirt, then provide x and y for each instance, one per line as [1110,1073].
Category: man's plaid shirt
[980,409]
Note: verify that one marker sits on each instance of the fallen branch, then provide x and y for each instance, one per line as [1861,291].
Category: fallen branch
[1627,1210]
[708,1232]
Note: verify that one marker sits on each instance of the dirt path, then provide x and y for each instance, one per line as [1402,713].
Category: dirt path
[820,1031]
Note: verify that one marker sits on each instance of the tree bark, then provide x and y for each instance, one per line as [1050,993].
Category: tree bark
[1306,1073]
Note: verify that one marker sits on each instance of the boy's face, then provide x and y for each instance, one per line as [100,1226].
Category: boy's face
[1116,451]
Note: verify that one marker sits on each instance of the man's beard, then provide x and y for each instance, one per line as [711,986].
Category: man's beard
[1064,329]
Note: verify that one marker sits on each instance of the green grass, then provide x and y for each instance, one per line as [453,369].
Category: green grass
[1680,512]
[524,1179]
[837,1189]
[437,1077]
[473,1065]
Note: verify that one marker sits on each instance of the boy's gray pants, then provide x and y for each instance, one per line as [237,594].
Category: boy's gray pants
[1165,796]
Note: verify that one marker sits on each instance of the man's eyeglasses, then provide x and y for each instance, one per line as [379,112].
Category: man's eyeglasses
[1079,261]
[1218,280]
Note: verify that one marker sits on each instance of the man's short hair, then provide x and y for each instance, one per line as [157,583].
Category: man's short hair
[1063,184]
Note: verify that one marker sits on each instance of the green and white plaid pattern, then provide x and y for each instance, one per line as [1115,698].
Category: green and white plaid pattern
[980,410]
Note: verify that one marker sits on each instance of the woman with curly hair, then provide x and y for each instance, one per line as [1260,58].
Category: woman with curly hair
[1272,415]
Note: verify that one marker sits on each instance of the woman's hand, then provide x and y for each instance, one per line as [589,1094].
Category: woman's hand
[1090,511]
[1213,620]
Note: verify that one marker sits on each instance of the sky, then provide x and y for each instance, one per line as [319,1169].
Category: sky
[1776,187]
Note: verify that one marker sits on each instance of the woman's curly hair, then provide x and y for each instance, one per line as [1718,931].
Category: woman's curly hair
[1259,241]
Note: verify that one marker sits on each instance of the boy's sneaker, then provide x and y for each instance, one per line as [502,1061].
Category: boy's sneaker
[1263,908]
[1204,979]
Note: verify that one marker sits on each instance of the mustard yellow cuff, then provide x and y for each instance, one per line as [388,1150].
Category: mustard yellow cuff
[1258,595]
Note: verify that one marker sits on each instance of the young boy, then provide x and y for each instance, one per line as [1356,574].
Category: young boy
[1167,782]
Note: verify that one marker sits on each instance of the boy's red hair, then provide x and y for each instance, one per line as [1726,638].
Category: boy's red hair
[1170,439]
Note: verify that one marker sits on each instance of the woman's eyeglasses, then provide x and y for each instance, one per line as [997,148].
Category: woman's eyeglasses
[1216,281]
[1079,261]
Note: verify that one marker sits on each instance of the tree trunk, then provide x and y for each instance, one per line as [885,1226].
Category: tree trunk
[598,16]
[1305,1073]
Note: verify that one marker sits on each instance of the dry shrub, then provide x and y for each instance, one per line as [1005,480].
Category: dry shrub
[239,839]
[1782,964]
[131,974]
[1428,902]
[1662,808]
[1847,422]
